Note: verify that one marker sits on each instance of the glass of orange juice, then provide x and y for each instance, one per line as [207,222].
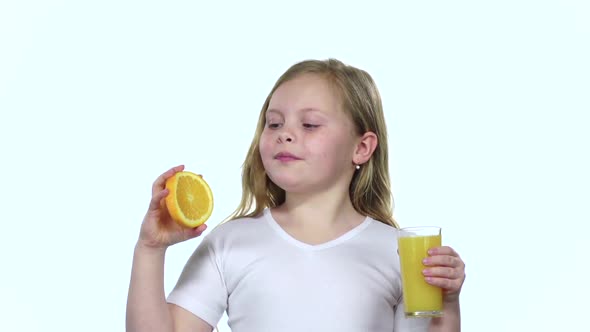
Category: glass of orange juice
[420,298]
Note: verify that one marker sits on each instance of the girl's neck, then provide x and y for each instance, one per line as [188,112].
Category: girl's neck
[318,218]
[324,210]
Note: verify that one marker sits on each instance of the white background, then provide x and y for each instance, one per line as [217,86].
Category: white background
[487,104]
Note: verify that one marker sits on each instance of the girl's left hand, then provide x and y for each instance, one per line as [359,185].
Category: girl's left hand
[445,269]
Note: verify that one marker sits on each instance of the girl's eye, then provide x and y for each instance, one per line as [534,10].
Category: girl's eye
[310,126]
[273,125]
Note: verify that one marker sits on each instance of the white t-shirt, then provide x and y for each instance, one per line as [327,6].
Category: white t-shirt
[269,281]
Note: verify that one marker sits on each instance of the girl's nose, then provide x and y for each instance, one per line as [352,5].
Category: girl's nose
[285,136]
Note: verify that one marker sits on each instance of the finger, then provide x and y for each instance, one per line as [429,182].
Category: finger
[194,232]
[445,250]
[444,283]
[161,180]
[157,198]
[443,260]
[442,272]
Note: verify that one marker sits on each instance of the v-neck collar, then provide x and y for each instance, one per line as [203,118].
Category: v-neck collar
[329,244]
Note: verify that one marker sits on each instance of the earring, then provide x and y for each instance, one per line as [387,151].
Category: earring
[357,167]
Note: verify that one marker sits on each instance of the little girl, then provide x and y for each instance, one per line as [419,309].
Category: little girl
[312,245]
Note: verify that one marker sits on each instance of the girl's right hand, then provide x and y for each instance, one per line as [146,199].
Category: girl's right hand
[158,230]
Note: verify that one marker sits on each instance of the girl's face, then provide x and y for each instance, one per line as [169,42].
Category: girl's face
[308,142]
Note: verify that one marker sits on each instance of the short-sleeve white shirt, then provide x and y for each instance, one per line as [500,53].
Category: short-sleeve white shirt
[267,280]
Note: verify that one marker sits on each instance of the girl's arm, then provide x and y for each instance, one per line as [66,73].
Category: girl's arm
[147,309]
[446,269]
[451,320]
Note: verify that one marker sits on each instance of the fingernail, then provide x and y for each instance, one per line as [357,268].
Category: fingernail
[428,279]
[431,251]
[426,272]
[426,261]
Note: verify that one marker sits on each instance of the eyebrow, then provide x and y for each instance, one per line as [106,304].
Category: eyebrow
[307,109]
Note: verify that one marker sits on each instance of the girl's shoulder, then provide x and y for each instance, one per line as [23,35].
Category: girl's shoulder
[243,227]
[380,227]
[380,234]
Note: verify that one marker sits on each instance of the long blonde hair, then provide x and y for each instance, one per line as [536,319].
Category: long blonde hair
[370,191]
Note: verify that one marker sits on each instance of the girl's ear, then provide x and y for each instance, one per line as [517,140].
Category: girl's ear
[365,147]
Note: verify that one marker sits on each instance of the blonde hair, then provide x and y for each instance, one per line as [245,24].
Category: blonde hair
[370,191]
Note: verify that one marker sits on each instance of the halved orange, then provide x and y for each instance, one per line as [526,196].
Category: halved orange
[190,200]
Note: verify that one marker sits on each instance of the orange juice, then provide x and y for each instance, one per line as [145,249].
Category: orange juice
[420,298]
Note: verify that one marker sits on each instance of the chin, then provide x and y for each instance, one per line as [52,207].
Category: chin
[290,184]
